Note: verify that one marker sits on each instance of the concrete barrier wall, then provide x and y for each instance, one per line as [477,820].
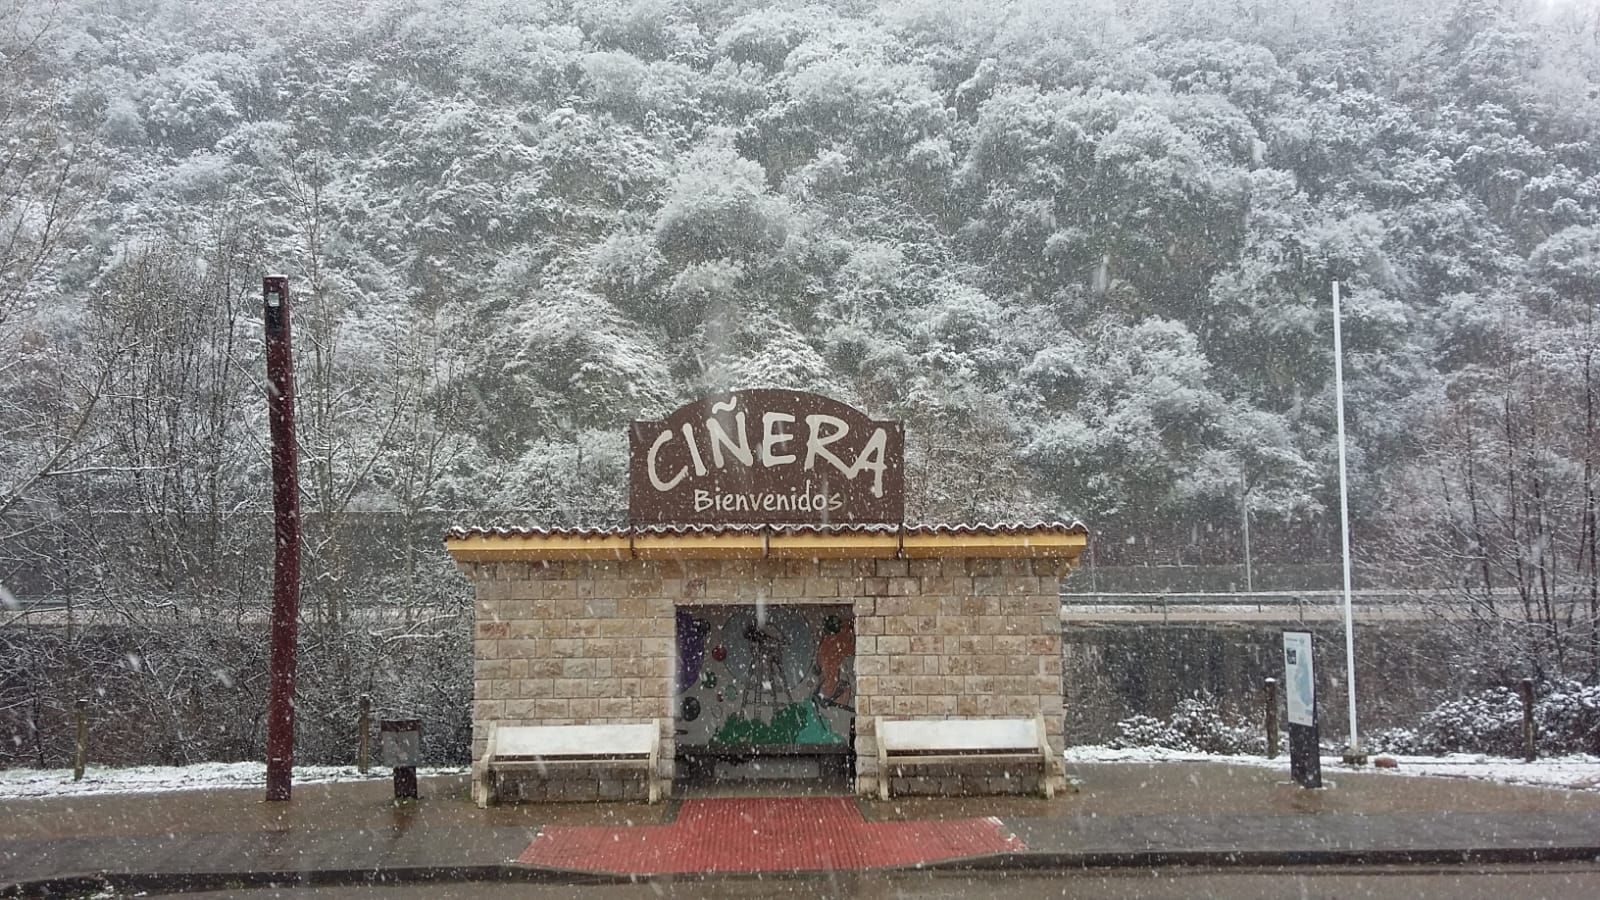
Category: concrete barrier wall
[1115,670]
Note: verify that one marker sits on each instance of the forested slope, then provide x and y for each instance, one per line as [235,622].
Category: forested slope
[1082,248]
[1085,253]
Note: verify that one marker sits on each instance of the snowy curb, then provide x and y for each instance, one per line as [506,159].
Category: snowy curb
[17,784]
[1578,773]
[1581,773]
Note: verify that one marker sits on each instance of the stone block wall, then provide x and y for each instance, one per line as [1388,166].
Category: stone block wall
[592,642]
[958,638]
[573,643]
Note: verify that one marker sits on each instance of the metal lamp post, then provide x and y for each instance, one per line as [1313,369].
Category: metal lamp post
[1353,753]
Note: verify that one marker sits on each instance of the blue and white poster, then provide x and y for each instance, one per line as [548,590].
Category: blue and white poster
[1300,695]
[1300,686]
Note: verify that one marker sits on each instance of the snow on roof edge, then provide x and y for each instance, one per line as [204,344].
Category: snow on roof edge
[460,532]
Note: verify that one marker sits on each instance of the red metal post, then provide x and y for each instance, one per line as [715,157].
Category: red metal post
[286,531]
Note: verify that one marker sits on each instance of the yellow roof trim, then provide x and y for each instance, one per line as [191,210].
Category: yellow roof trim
[535,547]
[735,545]
[526,547]
[1056,545]
[870,545]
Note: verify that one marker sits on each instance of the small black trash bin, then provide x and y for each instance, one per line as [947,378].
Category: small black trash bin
[400,742]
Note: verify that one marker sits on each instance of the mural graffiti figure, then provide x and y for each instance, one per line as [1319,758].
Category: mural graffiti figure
[766,677]
[833,651]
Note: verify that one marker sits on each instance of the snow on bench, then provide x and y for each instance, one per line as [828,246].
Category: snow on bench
[540,748]
[959,742]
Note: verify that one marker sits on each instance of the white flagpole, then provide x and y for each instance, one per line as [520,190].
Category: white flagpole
[1353,753]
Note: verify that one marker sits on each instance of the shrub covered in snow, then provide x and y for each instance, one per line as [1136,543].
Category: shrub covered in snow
[1198,724]
[1486,722]
[1402,741]
[1566,719]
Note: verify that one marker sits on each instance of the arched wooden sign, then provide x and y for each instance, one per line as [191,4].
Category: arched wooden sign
[766,456]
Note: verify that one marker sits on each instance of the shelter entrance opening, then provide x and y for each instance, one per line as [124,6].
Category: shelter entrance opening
[765,690]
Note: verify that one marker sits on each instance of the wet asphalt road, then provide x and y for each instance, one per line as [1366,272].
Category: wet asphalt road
[357,827]
[1555,882]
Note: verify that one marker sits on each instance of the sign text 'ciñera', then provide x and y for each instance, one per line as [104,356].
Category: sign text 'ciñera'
[766,456]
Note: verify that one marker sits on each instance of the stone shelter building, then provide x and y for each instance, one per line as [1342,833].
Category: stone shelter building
[767,643]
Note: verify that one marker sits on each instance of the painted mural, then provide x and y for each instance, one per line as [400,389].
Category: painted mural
[765,676]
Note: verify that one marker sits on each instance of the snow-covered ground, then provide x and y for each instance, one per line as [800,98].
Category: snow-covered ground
[17,783]
[1580,773]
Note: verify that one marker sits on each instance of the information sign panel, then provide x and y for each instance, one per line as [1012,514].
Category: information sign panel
[1300,687]
[1300,694]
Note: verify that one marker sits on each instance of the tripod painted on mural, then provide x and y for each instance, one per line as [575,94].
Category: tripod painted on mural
[767,679]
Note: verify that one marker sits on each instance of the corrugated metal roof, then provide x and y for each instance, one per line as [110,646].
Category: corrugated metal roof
[612,531]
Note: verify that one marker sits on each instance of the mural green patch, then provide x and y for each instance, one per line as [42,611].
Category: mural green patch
[794,724]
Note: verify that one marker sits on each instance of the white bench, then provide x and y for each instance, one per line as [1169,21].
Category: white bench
[540,748]
[921,742]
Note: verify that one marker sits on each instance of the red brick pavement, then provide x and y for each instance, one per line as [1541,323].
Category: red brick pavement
[778,834]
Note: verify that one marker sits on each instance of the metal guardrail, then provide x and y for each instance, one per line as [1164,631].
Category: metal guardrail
[1388,604]
[1239,598]
[86,615]
[1219,605]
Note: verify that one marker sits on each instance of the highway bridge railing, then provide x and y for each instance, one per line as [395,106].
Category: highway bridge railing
[1386,603]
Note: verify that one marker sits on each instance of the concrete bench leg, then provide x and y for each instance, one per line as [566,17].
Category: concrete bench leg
[883,771]
[480,785]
